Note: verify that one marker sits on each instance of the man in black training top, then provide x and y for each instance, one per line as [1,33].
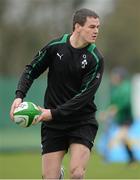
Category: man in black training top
[75,68]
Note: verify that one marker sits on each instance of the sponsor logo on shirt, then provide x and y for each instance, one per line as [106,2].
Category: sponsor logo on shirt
[59,55]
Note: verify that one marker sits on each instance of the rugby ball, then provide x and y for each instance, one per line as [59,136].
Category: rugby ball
[26,114]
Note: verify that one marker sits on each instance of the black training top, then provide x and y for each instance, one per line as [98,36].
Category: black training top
[74,76]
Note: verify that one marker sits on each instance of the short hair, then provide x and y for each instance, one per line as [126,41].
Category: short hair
[80,16]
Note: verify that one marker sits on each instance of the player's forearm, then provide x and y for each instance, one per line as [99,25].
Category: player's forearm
[77,104]
[23,86]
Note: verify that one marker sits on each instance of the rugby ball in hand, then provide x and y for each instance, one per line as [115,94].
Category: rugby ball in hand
[26,114]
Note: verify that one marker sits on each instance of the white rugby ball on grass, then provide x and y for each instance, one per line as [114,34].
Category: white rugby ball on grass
[26,114]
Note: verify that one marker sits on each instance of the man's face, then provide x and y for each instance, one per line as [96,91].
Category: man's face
[89,31]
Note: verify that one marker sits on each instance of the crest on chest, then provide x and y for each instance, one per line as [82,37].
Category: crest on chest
[84,61]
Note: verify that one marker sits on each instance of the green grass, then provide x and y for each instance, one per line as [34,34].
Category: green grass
[28,166]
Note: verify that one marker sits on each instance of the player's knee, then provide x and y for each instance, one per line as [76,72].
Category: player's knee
[77,173]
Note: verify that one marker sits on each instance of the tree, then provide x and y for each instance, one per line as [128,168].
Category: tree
[120,36]
[32,27]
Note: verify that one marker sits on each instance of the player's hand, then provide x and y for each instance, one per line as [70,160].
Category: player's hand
[15,104]
[45,115]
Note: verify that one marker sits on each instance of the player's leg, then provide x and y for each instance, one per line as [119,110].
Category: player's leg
[81,142]
[79,158]
[127,144]
[54,146]
[51,165]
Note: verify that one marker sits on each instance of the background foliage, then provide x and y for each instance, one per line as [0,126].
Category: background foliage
[26,26]
[120,36]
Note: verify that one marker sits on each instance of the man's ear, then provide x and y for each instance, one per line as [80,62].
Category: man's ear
[78,27]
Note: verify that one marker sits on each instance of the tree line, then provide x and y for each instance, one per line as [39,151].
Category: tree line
[24,32]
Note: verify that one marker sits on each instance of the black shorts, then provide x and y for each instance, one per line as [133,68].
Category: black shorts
[53,140]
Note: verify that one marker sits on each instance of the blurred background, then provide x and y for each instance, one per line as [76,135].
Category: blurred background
[25,27]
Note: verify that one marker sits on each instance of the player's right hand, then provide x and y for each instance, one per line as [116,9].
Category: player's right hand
[45,114]
[15,104]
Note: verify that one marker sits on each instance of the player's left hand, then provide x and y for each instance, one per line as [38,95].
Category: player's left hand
[45,115]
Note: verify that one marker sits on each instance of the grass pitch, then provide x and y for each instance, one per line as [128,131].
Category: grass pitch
[27,165]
